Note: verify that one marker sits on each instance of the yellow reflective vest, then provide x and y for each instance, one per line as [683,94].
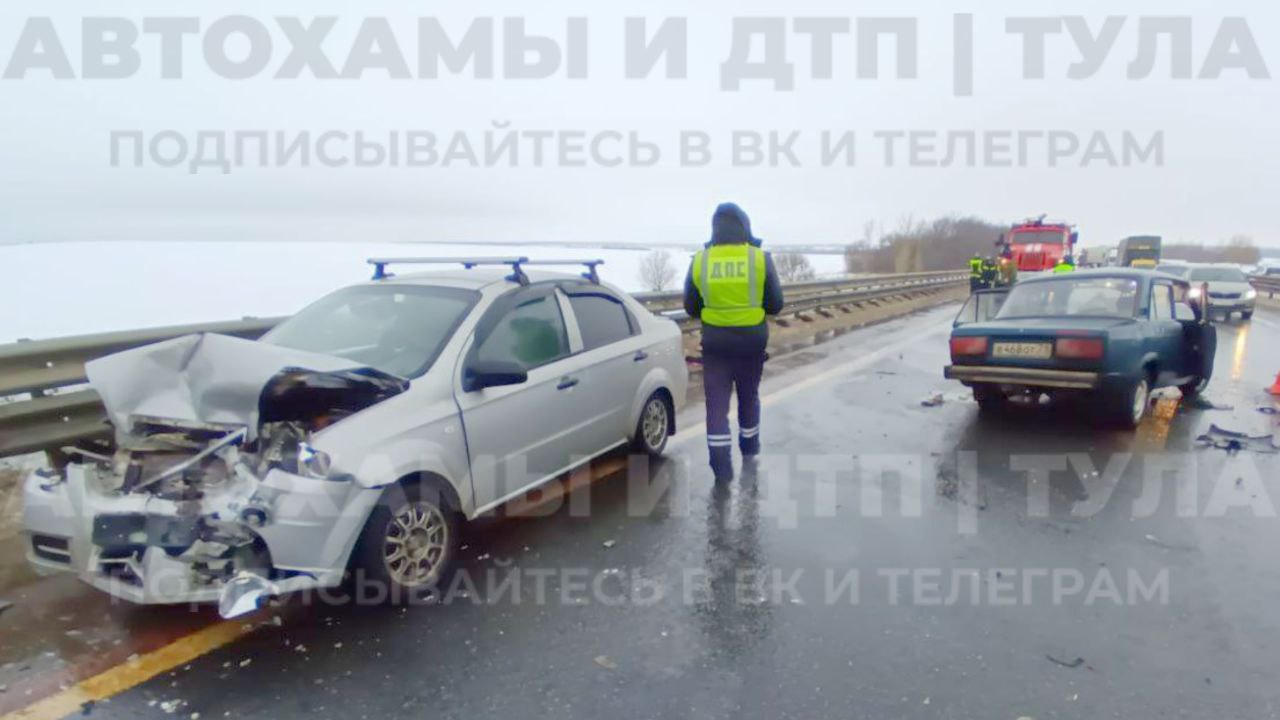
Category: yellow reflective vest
[731,279]
[975,267]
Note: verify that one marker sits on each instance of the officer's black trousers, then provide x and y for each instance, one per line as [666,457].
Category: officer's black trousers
[721,375]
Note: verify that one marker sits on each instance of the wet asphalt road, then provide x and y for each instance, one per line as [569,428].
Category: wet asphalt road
[700,638]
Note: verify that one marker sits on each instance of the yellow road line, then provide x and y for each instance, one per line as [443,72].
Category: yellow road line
[135,672]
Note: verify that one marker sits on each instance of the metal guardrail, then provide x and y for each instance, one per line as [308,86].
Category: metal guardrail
[1269,284]
[47,421]
[54,414]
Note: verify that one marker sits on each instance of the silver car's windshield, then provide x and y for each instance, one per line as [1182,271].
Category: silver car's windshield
[1218,275]
[399,329]
[1101,296]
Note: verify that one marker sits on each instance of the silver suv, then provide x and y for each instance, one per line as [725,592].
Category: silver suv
[356,434]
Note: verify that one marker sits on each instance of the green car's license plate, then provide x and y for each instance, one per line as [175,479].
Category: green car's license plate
[1037,350]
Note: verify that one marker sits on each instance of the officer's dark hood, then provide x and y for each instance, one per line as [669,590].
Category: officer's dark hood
[730,225]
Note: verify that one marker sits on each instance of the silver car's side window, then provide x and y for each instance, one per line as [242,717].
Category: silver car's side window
[531,334]
[602,318]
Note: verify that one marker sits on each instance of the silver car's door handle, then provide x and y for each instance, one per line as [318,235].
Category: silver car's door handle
[567,383]
[640,356]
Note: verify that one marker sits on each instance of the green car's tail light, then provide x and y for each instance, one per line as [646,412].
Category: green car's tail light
[968,346]
[1079,348]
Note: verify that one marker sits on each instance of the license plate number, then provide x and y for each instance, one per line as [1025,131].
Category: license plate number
[1039,350]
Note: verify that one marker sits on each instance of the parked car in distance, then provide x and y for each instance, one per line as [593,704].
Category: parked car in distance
[1108,337]
[1229,290]
[358,433]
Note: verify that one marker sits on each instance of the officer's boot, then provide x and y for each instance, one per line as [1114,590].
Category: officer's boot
[722,463]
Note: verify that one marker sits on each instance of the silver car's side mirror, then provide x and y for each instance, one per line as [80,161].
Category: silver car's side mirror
[490,373]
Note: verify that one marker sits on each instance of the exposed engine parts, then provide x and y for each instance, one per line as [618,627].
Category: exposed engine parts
[190,495]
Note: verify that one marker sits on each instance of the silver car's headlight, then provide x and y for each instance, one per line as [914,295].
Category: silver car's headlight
[1251,294]
[312,462]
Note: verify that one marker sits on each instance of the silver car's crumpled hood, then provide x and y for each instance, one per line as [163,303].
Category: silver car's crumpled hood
[202,378]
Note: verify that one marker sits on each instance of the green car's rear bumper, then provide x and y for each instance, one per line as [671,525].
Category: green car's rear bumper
[1024,377]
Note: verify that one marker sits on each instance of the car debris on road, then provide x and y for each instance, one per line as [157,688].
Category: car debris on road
[1234,442]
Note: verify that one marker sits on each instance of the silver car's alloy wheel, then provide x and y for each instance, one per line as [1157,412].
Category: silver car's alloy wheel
[653,425]
[1141,396]
[414,544]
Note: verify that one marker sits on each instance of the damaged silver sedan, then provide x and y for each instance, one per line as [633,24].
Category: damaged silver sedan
[358,434]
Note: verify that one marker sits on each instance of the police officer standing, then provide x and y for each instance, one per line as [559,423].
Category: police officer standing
[975,273]
[732,285]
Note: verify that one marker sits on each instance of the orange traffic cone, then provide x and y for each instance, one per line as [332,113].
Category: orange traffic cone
[1275,389]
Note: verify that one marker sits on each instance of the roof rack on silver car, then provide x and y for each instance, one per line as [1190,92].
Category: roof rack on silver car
[517,274]
[591,274]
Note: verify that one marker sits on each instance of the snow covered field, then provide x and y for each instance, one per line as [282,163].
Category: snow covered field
[52,290]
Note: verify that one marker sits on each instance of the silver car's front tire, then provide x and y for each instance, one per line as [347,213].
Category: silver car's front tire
[409,543]
[654,426]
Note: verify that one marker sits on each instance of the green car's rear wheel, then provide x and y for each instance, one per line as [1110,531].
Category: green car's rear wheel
[1128,407]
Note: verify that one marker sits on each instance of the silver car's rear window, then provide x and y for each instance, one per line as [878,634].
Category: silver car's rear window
[1086,297]
[398,329]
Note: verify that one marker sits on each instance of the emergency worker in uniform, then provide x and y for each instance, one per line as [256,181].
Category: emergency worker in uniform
[731,287]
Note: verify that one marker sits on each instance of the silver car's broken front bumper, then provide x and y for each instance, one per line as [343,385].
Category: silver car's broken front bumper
[306,527]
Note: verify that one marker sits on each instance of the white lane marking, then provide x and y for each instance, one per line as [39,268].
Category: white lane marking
[1266,321]
[850,368]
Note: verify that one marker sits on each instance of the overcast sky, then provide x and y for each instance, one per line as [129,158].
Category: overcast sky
[1218,179]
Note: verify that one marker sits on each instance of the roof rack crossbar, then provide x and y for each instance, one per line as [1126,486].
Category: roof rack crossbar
[591,274]
[516,276]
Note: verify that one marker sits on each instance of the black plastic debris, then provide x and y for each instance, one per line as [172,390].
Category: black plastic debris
[1234,442]
[1073,664]
[935,401]
[5,605]
[1267,410]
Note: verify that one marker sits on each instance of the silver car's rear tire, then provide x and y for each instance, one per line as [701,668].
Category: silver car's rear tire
[409,544]
[654,426]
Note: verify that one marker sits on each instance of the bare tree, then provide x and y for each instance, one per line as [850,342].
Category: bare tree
[793,267]
[943,244]
[657,271]
[1241,250]
[869,233]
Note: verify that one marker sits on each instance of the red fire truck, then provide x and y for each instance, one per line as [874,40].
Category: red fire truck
[1038,246]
